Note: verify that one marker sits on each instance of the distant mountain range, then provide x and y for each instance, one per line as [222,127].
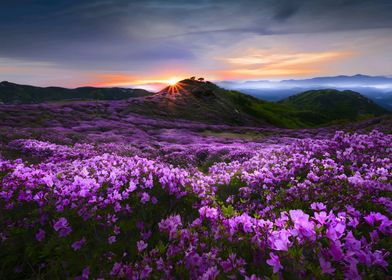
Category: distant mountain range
[11,93]
[376,88]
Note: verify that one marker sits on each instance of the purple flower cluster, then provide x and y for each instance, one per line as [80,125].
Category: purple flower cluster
[314,207]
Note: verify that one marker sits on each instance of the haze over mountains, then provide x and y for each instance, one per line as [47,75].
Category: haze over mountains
[376,88]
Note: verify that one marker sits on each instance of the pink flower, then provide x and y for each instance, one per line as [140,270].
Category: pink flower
[318,206]
[352,243]
[86,272]
[40,235]
[132,186]
[336,231]
[326,266]
[210,274]
[321,217]
[353,222]
[378,258]
[302,226]
[112,239]
[336,251]
[62,227]
[280,240]
[385,225]
[145,272]
[208,212]
[374,236]
[352,271]
[274,262]
[145,198]
[170,225]
[146,234]
[141,245]
[78,244]
[60,223]
[252,277]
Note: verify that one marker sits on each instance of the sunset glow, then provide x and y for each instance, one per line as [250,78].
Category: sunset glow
[153,50]
[172,81]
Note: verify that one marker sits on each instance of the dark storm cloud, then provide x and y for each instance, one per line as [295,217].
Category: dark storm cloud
[114,33]
[285,12]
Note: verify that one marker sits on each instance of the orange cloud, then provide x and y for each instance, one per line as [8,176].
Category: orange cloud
[259,63]
[124,80]
[248,65]
[108,80]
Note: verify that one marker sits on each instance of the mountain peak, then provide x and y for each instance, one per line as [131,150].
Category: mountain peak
[5,83]
[189,87]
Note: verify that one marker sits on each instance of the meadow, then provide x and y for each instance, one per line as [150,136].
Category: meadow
[90,193]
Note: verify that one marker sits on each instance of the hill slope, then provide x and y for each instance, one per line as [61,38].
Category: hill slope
[335,105]
[11,93]
[206,102]
[376,88]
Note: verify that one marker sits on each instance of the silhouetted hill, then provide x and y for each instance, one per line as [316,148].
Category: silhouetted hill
[206,102]
[334,105]
[11,93]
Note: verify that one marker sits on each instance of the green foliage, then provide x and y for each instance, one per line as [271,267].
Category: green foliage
[223,192]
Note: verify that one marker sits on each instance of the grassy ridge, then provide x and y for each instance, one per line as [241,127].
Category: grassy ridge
[277,114]
[333,105]
[23,94]
[207,103]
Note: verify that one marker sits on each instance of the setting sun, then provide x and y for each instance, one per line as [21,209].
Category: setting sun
[172,81]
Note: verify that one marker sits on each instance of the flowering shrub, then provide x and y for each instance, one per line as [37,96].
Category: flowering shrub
[313,208]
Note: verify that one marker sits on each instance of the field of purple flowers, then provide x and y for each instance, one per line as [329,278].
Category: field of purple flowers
[87,193]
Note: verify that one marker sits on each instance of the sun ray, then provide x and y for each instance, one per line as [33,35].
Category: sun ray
[175,89]
[172,81]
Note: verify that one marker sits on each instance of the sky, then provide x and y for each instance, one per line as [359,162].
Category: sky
[147,43]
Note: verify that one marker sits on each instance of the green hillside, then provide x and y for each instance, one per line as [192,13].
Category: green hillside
[206,102]
[334,105]
[11,93]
